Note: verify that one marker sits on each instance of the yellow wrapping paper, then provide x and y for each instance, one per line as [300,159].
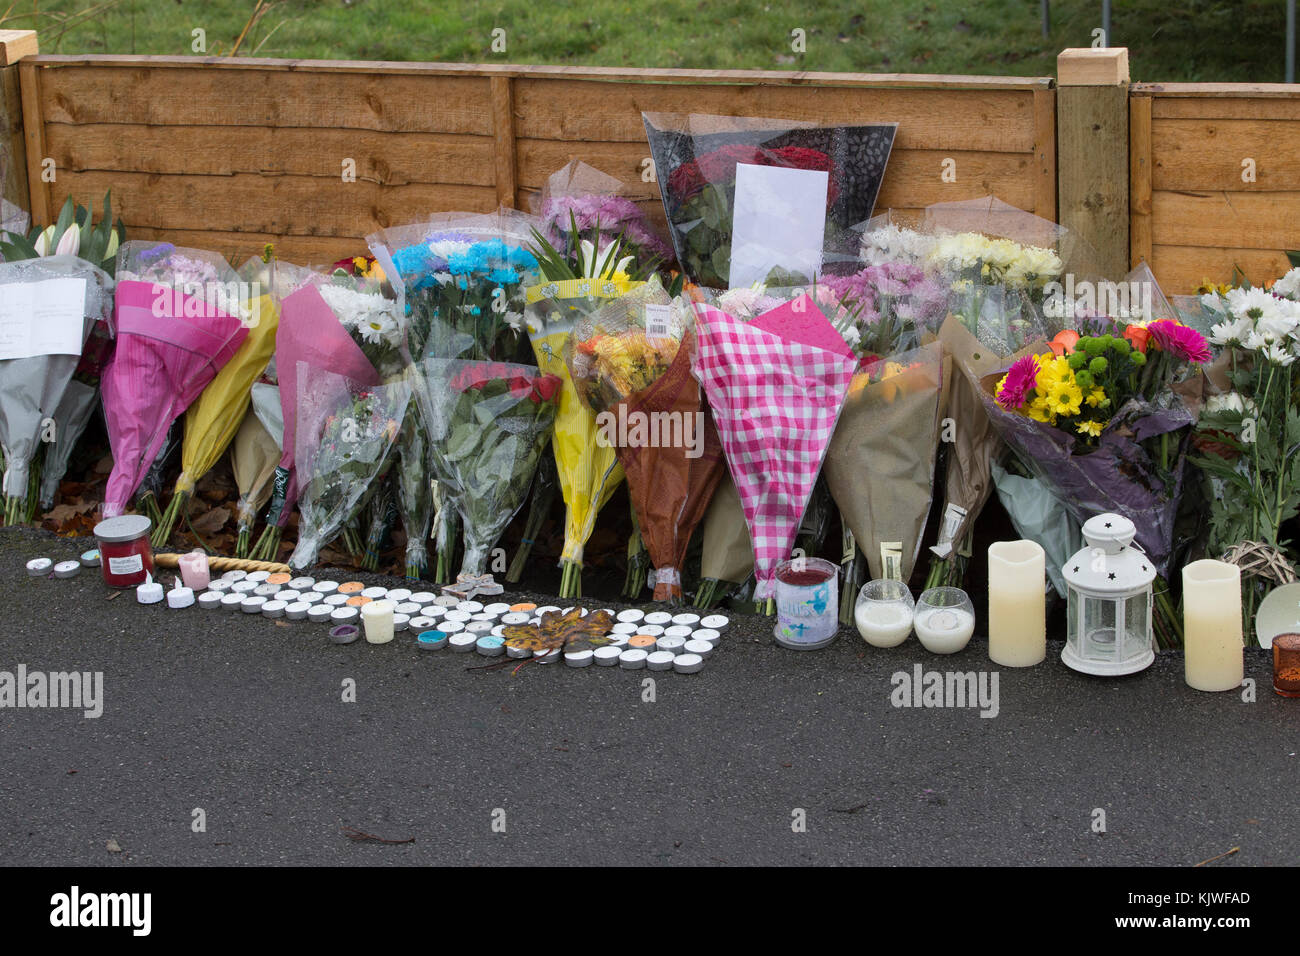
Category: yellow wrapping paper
[214,417]
[588,472]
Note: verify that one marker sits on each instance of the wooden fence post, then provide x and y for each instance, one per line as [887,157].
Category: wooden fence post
[1092,127]
[503,129]
[14,45]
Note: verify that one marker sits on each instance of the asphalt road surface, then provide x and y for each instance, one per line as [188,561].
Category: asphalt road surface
[767,756]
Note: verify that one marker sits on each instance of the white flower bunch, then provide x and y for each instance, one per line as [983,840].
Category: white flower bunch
[1257,320]
[369,314]
[996,261]
[892,243]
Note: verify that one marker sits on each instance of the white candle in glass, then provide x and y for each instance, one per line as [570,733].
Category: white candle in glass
[1017,603]
[883,623]
[1213,656]
[377,616]
[944,630]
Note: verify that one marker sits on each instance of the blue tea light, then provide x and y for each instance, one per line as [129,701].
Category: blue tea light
[490,646]
[431,640]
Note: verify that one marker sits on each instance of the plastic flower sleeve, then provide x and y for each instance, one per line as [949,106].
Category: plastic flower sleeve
[71,417]
[488,427]
[631,363]
[178,324]
[880,463]
[339,451]
[582,196]
[696,163]
[50,306]
[254,454]
[1038,515]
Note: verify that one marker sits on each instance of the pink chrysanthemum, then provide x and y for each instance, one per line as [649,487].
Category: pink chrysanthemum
[1020,380]
[1180,341]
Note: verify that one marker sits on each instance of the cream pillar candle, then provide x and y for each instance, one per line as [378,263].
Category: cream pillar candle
[377,616]
[1213,656]
[1017,603]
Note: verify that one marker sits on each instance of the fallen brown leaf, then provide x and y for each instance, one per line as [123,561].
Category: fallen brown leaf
[211,522]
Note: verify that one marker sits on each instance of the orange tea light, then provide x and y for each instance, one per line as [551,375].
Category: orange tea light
[642,641]
[280,579]
[523,607]
[351,587]
[357,600]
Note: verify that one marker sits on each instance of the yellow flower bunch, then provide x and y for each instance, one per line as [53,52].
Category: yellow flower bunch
[630,361]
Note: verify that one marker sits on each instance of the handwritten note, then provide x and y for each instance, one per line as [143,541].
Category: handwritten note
[42,318]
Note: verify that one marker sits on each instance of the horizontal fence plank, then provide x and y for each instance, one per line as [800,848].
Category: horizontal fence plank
[992,120]
[298,205]
[257,97]
[637,75]
[388,158]
[912,176]
[1180,269]
[1238,107]
[239,247]
[1207,154]
[1226,220]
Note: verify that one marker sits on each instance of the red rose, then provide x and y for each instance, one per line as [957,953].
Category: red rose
[547,387]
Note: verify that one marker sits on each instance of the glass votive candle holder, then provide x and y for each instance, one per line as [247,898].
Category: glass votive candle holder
[883,612]
[944,620]
[1286,665]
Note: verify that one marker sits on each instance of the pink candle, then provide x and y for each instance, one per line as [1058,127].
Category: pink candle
[194,570]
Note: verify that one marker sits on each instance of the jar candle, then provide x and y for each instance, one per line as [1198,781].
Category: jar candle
[944,620]
[377,616]
[1017,603]
[1286,664]
[126,559]
[1213,652]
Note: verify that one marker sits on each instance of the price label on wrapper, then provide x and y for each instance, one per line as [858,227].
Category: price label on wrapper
[658,321]
[891,560]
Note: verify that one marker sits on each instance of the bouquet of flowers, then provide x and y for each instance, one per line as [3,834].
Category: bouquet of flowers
[1100,426]
[631,364]
[254,455]
[212,420]
[583,199]
[488,427]
[1247,436]
[313,334]
[48,307]
[776,387]
[340,452]
[178,324]
[696,159]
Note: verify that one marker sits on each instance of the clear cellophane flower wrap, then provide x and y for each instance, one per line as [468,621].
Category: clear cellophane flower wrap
[582,196]
[344,438]
[488,428]
[880,463]
[696,158]
[776,386]
[1038,515]
[178,324]
[37,367]
[631,364]
[460,281]
[213,418]
[321,336]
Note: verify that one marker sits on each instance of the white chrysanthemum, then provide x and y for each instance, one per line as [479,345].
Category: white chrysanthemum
[1289,285]
[1256,304]
[367,312]
[892,243]
[1231,332]
[446,248]
[1279,354]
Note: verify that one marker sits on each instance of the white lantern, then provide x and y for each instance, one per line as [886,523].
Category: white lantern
[1108,631]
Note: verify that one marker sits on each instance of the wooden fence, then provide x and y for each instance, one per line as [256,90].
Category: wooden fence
[1215,180]
[232,154]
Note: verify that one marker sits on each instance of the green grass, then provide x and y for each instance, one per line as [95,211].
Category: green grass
[1167,41]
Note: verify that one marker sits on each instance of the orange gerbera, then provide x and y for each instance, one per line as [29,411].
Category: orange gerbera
[1063,343]
[1137,337]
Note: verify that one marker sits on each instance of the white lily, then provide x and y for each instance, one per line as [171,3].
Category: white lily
[69,242]
[591,258]
[44,240]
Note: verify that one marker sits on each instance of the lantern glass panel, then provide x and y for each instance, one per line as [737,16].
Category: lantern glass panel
[1074,604]
[1137,612]
[1098,628]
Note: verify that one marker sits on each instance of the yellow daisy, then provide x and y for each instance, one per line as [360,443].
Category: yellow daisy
[1089,428]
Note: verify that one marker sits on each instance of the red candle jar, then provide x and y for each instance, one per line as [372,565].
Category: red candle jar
[125,554]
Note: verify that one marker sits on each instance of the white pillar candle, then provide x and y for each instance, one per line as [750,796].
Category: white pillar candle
[1213,656]
[883,623]
[377,616]
[1017,603]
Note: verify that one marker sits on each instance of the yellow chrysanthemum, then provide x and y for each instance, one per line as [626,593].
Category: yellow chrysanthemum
[1039,411]
[1097,398]
[1089,428]
[1064,398]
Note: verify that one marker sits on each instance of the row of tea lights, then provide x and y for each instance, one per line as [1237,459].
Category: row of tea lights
[655,640]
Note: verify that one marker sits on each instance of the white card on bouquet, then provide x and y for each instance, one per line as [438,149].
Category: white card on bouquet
[778,220]
[42,318]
